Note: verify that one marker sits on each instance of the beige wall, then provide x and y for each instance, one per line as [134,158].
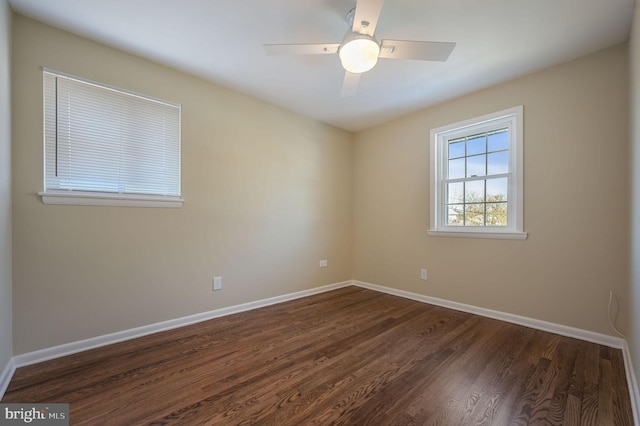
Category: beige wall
[268,194]
[6,351]
[576,212]
[633,302]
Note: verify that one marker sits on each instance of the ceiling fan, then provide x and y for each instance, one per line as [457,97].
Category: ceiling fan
[360,50]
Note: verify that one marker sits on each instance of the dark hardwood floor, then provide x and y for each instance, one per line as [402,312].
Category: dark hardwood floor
[350,356]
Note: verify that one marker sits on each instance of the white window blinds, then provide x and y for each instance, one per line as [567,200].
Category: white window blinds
[102,142]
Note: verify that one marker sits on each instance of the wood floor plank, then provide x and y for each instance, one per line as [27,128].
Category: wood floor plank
[573,407]
[591,380]
[568,354]
[350,356]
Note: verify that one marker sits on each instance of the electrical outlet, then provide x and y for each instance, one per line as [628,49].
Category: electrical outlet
[323,263]
[217,283]
[423,274]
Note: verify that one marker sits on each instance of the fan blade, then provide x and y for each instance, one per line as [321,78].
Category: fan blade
[422,50]
[350,84]
[301,49]
[366,16]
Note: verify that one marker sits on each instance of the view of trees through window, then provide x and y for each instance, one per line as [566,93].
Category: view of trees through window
[476,184]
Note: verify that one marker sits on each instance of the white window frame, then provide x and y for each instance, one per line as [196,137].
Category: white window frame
[72,192]
[511,118]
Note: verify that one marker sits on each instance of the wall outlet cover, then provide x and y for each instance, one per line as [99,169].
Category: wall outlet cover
[217,283]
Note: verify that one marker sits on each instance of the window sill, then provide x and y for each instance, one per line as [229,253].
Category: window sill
[116,200]
[499,235]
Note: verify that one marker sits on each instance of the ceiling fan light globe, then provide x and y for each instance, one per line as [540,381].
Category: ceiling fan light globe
[359,54]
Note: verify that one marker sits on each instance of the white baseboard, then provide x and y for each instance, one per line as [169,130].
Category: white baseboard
[6,375]
[121,336]
[95,342]
[563,330]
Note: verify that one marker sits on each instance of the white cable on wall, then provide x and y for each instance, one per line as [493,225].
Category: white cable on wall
[609,315]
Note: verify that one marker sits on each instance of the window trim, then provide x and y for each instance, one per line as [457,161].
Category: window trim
[108,198]
[86,198]
[513,117]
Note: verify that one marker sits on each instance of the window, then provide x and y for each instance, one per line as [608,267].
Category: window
[106,146]
[476,177]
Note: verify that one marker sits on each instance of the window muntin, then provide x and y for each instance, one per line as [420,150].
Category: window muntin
[476,177]
[104,144]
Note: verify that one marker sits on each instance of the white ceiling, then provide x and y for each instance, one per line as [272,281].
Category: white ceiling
[221,41]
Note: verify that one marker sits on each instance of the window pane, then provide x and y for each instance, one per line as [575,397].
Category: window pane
[455,192]
[499,140]
[496,214]
[456,168]
[456,148]
[476,165]
[477,144]
[455,214]
[498,163]
[497,189]
[474,215]
[474,192]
